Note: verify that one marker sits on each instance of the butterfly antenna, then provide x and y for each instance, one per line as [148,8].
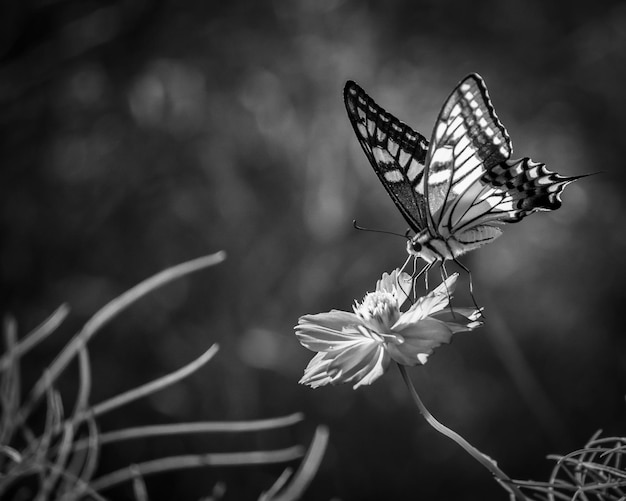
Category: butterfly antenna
[361,228]
[471,284]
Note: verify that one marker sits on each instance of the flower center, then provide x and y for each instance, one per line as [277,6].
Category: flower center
[380,309]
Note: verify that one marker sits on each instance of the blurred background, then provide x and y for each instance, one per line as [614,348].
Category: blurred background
[135,135]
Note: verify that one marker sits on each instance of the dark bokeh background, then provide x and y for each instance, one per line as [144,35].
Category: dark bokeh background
[138,134]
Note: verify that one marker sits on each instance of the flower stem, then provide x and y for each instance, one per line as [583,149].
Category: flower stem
[502,478]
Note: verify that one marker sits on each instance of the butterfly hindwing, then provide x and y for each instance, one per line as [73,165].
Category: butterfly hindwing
[506,193]
[397,153]
[529,186]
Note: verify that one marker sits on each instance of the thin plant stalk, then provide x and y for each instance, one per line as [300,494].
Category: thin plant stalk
[104,315]
[194,461]
[147,431]
[305,474]
[148,388]
[488,463]
[33,338]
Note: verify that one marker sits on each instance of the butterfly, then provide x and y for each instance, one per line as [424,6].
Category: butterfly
[457,191]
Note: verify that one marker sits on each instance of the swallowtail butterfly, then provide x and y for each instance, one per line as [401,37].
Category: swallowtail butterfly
[457,191]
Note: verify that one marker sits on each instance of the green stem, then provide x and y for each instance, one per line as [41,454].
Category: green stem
[488,463]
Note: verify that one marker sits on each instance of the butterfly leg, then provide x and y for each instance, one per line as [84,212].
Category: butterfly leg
[443,271]
[399,285]
[402,268]
[471,282]
[444,276]
[417,275]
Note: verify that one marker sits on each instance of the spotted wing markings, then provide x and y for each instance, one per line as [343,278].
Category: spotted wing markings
[394,176]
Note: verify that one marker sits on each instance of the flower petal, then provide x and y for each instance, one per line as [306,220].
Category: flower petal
[316,372]
[472,314]
[420,339]
[460,319]
[368,374]
[405,286]
[434,301]
[397,283]
[438,298]
[356,356]
[333,319]
[360,363]
[387,283]
[328,331]
[427,330]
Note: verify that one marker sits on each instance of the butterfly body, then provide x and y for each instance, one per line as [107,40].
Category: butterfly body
[457,191]
[434,249]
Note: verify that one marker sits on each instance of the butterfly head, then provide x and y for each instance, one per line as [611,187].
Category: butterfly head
[424,246]
[413,247]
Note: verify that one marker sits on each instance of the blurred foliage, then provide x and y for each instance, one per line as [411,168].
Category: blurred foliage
[138,134]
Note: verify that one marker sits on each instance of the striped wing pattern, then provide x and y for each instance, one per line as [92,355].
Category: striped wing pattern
[397,153]
[468,139]
[462,187]
[506,193]
[472,183]
[529,187]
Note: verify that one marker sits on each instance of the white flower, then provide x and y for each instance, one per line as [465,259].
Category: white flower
[358,347]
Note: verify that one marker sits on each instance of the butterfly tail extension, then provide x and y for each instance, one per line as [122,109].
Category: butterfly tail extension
[530,186]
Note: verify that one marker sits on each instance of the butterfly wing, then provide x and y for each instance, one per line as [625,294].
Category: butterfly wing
[468,140]
[472,185]
[464,184]
[397,153]
[507,193]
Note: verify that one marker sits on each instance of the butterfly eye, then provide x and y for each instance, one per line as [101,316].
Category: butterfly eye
[414,247]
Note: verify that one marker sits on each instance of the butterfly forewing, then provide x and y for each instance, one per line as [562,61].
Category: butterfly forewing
[397,153]
[467,139]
